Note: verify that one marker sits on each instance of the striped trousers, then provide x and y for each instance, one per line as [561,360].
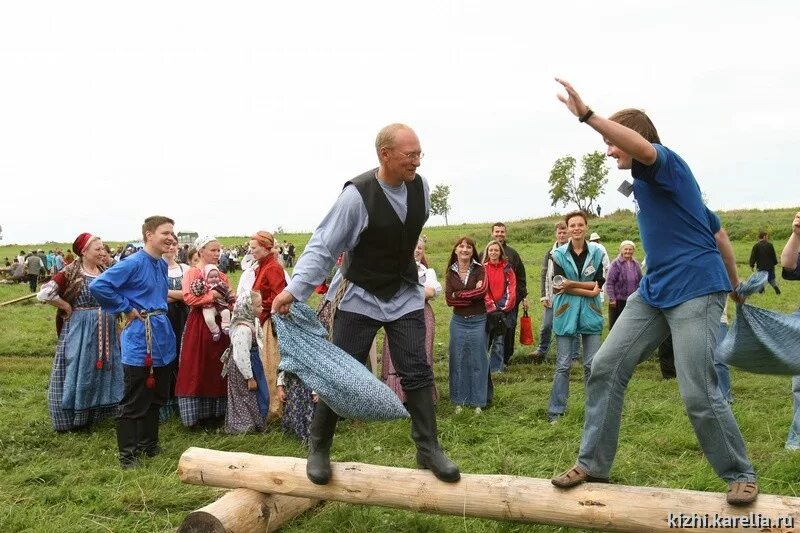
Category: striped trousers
[353,333]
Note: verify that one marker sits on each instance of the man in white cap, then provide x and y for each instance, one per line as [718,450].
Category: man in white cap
[595,238]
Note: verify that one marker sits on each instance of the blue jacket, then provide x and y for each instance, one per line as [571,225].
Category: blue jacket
[578,314]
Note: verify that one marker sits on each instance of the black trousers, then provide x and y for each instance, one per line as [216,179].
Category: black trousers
[614,312]
[353,333]
[666,359]
[137,398]
[510,339]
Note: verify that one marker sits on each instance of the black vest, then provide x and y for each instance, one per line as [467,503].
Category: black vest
[384,256]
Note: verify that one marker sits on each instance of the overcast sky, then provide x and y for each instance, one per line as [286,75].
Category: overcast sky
[238,116]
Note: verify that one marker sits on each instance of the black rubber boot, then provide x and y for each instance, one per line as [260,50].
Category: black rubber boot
[323,426]
[148,434]
[423,430]
[127,441]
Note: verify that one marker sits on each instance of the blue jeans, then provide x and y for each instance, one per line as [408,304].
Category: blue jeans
[723,371]
[546,332]
[639,330]
[497,352]
[793,439]
[567,347]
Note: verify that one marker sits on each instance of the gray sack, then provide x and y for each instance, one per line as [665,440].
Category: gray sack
[759,340]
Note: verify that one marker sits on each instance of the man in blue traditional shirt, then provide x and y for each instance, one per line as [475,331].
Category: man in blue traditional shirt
[377,220]
[690,270]
[137,288]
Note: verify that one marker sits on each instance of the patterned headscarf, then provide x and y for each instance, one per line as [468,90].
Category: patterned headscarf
[243,311]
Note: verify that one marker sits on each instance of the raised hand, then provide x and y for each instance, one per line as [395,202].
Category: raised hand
[572,100]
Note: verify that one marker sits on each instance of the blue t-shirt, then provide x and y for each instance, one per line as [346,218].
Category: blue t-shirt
[677,230]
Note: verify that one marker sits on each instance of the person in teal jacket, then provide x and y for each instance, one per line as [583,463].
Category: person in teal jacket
[577,308]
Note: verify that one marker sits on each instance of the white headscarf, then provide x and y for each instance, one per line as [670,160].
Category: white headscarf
[202,241]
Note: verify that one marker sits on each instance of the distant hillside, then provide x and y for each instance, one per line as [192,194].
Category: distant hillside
[742,225]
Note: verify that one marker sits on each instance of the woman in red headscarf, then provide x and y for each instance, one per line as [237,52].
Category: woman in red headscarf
[86,382]
[265,276]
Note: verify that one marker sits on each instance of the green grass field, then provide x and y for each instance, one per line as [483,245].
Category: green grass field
[71,482]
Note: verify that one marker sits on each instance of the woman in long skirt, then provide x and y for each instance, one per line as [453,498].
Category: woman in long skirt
[201,390]
[177,312]
[86,382]
[465,288]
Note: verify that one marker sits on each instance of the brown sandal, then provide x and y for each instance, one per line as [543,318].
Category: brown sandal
[573,477]
[742,492]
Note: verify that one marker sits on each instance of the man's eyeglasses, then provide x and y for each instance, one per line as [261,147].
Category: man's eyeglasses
[411,156]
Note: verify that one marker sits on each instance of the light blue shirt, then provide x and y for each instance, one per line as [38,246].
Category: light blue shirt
[339,232]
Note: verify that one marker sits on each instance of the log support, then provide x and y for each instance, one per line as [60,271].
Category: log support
[589,506]
[246,511]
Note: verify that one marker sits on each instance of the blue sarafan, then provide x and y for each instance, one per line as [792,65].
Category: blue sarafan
[342,382]
[762,341]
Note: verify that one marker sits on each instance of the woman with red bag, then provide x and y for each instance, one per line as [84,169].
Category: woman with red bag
[500,298]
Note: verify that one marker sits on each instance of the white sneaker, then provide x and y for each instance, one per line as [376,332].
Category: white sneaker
[459,409]
[478,410]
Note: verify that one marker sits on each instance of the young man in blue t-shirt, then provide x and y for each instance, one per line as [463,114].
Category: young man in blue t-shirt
[790,261]
[690,270]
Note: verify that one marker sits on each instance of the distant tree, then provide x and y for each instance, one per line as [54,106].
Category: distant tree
[439,201]
[566,187]
[279,230]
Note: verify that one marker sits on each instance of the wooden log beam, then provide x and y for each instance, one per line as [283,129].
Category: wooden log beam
[589,506]
[246,511]
[20,299]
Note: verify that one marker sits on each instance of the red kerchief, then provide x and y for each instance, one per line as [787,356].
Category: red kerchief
[80,244]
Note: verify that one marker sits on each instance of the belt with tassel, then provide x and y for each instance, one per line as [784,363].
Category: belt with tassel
[150,382]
